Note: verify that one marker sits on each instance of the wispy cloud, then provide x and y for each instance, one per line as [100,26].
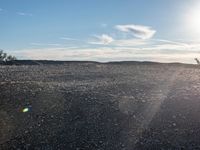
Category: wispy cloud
[104,25]
[24,14]
[103,39]
[45,44]
[138,31]
[139,46]
[140,35]
[2,10]
[164,51]
[129,42]
[69,39]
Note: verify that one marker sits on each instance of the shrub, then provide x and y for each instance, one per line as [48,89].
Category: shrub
[4,57]
[197,60]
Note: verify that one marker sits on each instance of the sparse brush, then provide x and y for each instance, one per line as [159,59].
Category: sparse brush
[4,57]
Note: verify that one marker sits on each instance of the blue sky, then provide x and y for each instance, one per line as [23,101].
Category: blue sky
[101,30]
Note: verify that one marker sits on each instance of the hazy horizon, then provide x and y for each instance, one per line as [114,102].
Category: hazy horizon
[115,30]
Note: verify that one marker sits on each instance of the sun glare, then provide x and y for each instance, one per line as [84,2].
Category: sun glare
[192,20]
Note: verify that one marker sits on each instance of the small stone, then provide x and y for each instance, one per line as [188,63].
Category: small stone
[143,101]
[174,124]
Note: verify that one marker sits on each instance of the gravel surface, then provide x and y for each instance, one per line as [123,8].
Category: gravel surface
[86,106]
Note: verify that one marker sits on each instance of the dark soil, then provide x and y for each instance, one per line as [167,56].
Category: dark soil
[94,106]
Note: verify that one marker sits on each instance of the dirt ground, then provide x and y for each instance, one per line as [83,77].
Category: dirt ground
[94,106]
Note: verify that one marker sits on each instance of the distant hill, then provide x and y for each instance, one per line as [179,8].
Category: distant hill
[52,62]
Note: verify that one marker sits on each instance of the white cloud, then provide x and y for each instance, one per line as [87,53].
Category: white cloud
[138,31]
[142,33]
[108,48]
[168,51]
[104,39]
[68,39]
[108,40]
[67,53]
[24,14]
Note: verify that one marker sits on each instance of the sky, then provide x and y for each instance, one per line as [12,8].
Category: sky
[101,30]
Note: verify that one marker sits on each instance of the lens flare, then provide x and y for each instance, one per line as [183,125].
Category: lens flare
[25,110]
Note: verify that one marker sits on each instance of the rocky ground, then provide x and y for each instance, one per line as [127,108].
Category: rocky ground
[94,106]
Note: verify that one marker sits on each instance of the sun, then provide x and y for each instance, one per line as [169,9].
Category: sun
[192,20]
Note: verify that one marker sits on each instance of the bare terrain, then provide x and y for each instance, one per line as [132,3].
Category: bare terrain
[99,106]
